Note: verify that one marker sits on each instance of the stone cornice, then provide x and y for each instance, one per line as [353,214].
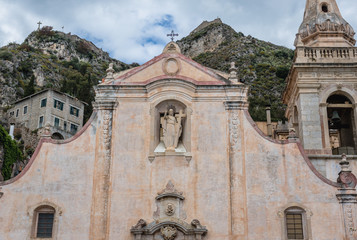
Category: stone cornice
[236,105]
[347,196]
[105,104]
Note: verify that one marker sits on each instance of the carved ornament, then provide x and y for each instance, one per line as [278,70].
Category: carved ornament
[169,219]
[171,66]
[346,178]
[169,190]
[168,232]
[141,223]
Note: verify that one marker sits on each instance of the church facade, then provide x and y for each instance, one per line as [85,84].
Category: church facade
[171,153]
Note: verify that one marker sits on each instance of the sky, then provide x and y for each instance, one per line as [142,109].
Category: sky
[135,30]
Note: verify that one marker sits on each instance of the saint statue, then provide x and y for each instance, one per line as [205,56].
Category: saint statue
[172,129]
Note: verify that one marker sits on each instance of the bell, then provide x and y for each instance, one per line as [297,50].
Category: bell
[335,117]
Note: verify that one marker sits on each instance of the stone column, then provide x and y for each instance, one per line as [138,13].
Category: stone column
[99,222]
[269,126]
[324,127]
[347,197]
[238,195]
[354,124]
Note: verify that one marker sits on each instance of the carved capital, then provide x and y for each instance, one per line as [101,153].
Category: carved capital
[347,196]
[236,105]
[105,105]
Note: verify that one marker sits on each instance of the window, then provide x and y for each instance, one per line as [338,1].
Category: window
[294,227]
[25,110]
[12,114]
[324,8]
[58,104]
[40,122]
[295,223]
[44,102]
[57,122]
[74,111]
[74,128]
[44,219]
[65,125]
[17,112]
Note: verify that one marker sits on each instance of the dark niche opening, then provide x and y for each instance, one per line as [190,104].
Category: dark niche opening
[324,8]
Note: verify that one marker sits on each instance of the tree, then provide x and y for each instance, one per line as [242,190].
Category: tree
[12,153]
[30,87]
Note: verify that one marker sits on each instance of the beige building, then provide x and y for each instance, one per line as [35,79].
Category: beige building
[171,153]
[62,112]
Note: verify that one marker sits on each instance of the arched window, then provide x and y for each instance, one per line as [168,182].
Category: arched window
[43,222]
[294,219]
[341,124]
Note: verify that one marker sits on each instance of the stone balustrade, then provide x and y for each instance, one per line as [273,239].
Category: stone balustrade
[325,54]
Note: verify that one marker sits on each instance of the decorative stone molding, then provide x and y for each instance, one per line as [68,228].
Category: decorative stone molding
[169,232]
[348,200]
[110,73]
[105,105]
[236,105]
[233,73]
[171,66]
[169,219]
[347,196]
[233,130]
[346,178]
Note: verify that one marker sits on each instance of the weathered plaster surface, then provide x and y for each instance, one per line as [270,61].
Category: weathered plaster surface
[61,174]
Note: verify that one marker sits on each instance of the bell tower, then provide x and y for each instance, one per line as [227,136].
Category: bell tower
[321,92]
[324,26]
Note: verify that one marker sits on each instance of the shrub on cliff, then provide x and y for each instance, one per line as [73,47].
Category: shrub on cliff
[12,153]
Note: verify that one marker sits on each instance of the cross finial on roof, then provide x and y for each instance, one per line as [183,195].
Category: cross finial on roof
[39,24]
[172,35]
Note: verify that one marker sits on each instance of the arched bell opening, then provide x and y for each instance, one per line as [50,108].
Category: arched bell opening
[341,124]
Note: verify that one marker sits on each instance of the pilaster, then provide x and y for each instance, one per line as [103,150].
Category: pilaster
[348,201]
[238,195]
[347,197]
[99,223]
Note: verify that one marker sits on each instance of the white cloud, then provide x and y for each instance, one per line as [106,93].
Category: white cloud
[129,30]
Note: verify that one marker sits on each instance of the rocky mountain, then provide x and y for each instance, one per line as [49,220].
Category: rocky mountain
[262,65]
[53,59]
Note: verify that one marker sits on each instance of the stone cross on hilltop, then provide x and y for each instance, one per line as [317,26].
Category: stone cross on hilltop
[172,35]
[39,25]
